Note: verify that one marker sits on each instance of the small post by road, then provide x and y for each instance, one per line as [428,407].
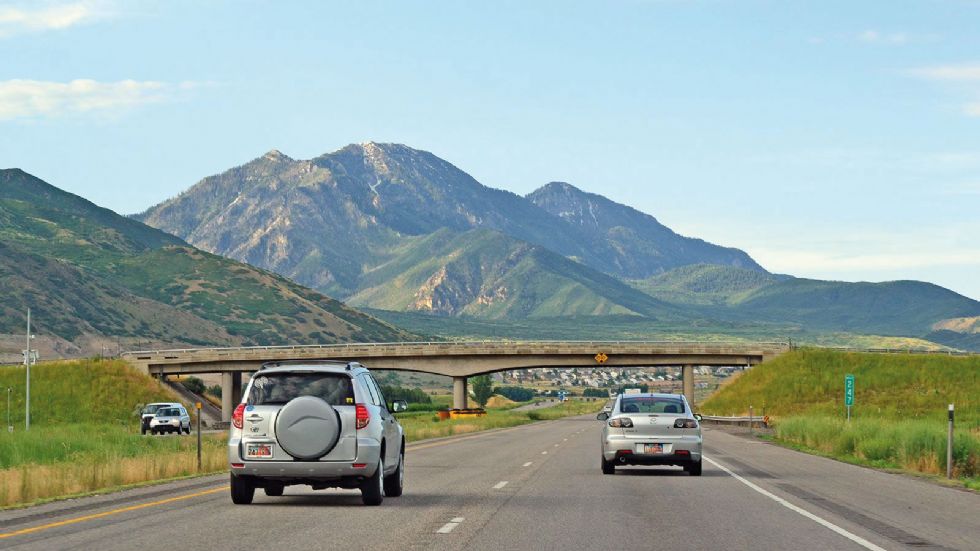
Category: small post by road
[198,406]
[849,394]
[27,363]
[751,415]
[10,428]
[949,445]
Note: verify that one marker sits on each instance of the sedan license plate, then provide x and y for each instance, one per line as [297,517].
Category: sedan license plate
[258,450]
[653,448]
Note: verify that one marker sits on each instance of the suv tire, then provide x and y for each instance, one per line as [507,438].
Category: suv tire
[693,469]
[608,467]
[395,482]
[242,490]
[372,489]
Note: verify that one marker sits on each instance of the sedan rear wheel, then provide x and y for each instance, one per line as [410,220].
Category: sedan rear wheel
[608,467]
[693,469]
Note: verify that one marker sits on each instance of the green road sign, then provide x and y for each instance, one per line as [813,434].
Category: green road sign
[849,390]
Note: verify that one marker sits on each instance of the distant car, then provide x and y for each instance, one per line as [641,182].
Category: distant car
[148,411]
[322,424]
[651,429]
[171,419]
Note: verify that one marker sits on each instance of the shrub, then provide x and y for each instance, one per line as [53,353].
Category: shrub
[515,393]
[194,385]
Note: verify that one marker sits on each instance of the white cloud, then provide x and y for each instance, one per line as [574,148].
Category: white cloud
[50,16]
[23,99]
[872,36]
[954,73]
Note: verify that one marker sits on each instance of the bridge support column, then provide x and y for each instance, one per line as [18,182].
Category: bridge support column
[460,393]
[231,393]
[688,378]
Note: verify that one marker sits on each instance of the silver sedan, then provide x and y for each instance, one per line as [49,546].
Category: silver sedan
[651,429]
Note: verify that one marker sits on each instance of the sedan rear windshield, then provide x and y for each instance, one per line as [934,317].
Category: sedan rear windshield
[650,404]
[280,388]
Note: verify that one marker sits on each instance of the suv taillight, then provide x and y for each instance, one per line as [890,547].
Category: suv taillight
[362,415]
[238,418]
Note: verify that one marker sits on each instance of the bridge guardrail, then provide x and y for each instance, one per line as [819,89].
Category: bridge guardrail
[773,344]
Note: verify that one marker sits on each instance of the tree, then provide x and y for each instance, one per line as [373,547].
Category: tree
[482,389]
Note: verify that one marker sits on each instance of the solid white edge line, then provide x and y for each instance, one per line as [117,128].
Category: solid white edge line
[500,485]
[528,464]
[819,520]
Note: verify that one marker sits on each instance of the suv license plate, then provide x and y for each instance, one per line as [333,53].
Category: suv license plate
[258,450]
[653,448]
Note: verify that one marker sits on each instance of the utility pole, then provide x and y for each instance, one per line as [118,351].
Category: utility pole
[27,362]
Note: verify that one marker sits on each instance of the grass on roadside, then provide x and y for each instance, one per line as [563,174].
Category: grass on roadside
[58,461]
[899,414]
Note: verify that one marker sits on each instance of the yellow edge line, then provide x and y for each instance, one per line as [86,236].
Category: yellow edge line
[108,513]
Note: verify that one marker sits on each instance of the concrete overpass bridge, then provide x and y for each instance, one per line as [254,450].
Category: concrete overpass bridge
[458,360]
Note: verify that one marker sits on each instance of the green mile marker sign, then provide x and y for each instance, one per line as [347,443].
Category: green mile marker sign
[849,394]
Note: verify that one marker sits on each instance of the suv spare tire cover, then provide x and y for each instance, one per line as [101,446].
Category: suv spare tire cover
[307,427]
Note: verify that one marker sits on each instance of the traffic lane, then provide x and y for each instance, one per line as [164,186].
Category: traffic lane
[899,509]
[570,504]
[442,479]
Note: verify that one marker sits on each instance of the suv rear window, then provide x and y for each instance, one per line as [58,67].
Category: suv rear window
[650,404]
[279,388]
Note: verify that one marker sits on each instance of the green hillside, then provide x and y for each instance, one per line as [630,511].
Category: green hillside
[88,271]
[811,381]
[83,391]
[483,273]
[912,309]
[889,308]
[703,284]
[899,414]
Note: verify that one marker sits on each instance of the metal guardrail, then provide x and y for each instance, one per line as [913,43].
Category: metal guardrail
[754,421]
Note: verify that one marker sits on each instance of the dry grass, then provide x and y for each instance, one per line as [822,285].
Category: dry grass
[31,482]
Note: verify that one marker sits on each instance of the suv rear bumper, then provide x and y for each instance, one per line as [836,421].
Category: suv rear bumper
[303,472]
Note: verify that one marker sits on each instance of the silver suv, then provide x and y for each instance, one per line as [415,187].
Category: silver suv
[323,424]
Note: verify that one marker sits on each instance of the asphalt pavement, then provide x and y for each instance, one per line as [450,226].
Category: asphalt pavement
[535,487]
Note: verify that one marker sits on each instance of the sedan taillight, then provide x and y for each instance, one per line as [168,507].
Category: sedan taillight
[685,424]
[362,415]
[238,417]
[621,423]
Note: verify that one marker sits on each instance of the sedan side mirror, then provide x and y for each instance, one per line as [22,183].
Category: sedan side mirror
[698,417]
[398,406]
[602,416]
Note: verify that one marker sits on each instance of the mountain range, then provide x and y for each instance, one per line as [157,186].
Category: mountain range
[250,255]
[393,229]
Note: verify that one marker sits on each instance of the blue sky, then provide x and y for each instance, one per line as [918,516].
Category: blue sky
[836,140]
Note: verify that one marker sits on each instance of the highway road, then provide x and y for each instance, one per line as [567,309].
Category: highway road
[535,487]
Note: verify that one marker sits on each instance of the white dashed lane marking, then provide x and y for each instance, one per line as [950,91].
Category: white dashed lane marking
[500,485]
[450,526]
[528,464]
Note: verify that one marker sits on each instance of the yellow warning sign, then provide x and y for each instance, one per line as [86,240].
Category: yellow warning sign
[601,358]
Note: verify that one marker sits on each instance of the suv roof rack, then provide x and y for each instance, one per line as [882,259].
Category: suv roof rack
[285,363]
